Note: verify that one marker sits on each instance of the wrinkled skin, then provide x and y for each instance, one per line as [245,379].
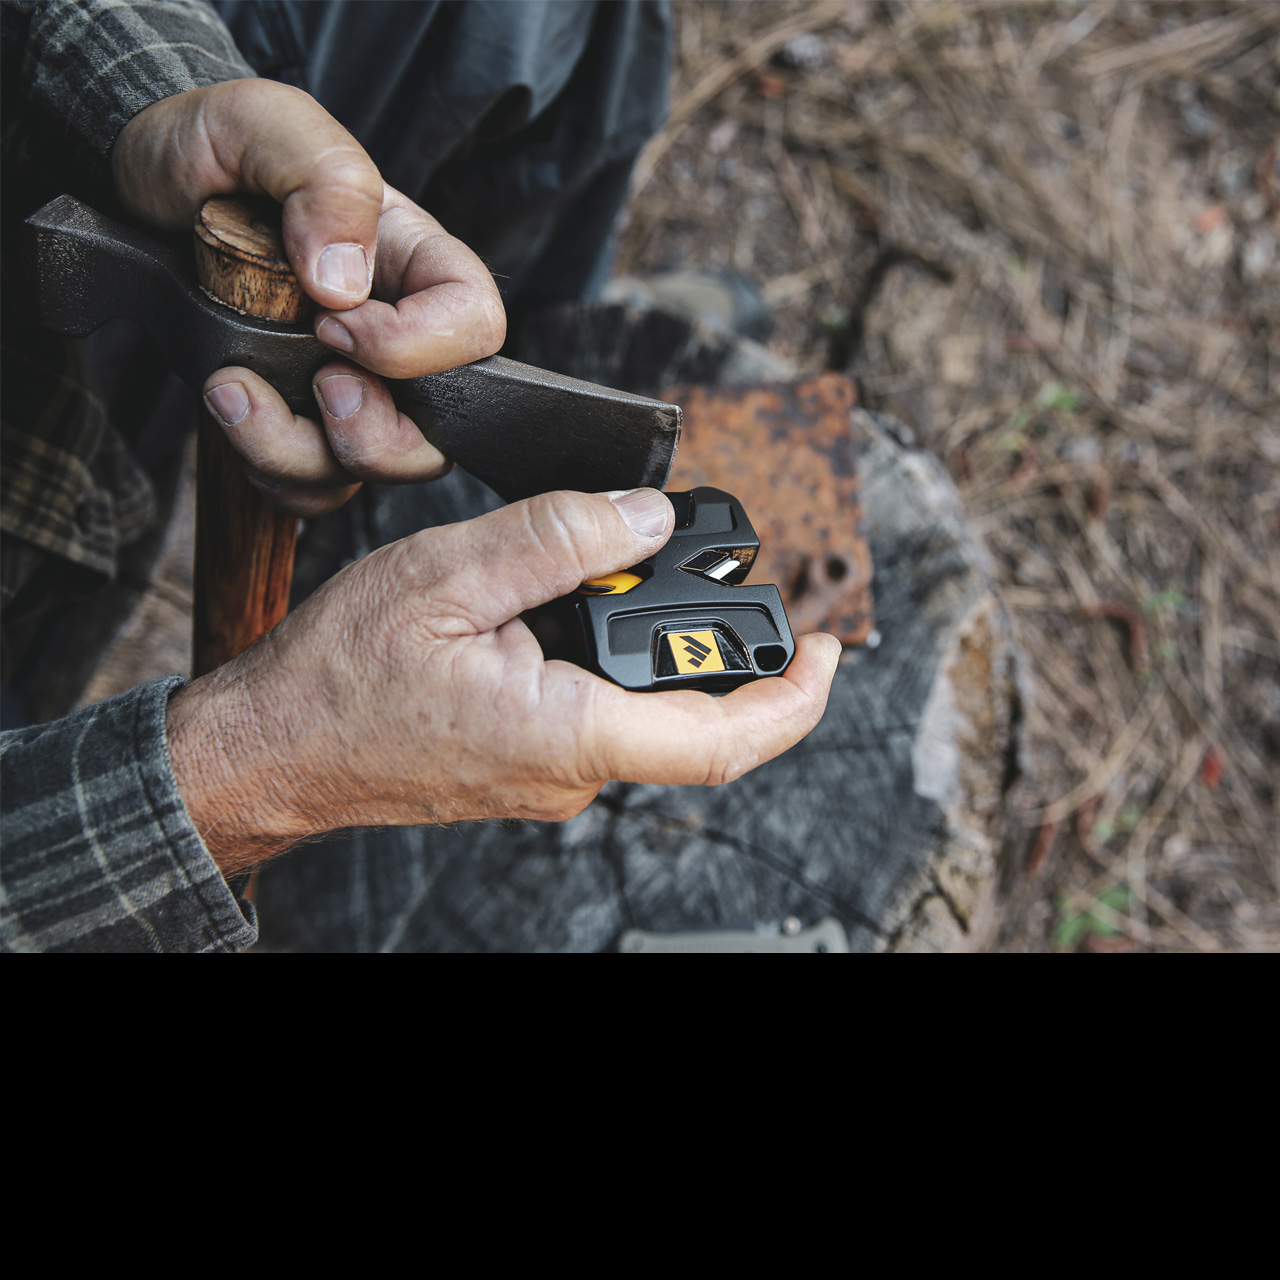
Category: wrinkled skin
[407,690]
[433,304]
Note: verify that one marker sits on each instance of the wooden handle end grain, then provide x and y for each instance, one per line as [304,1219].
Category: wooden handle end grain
[244,546]
[240,259]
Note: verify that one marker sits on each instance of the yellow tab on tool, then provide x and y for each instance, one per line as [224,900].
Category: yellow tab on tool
[612,584]
[695,652]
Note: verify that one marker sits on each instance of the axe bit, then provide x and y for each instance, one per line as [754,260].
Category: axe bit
[518,429]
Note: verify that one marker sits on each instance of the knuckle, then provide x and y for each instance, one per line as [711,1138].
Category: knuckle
[365,455]
[434,251]
[398,355]
[356,175]
[560,808]
[719,772]
[273,91]
[729,762]
[558,534]
[491,324]
[256,96]
[256,440]
[388,340]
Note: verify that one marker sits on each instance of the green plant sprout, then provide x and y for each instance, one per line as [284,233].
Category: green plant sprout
[1172,597]
[1072,930]
[1053,395]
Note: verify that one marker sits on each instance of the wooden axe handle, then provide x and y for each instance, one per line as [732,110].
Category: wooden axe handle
[244,546]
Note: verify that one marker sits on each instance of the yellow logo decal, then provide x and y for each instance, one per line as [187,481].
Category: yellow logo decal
[695,652]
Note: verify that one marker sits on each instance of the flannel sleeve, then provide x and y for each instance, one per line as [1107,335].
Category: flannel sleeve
[95,64]
[97,850]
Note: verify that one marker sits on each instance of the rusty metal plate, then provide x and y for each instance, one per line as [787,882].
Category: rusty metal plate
[789,452]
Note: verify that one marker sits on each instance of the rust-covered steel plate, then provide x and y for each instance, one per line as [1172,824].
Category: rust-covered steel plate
[789,452]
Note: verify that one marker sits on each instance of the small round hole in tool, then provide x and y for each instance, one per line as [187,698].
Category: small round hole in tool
[836,568]
[770,657]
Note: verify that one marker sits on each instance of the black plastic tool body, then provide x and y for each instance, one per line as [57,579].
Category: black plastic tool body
[690,623]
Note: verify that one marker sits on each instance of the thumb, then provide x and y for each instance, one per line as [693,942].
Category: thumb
[330,189]
[535,551]
[260,138]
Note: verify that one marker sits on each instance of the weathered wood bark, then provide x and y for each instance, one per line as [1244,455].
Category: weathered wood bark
[244,546]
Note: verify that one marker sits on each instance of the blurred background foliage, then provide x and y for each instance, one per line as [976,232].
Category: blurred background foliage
[1044,236]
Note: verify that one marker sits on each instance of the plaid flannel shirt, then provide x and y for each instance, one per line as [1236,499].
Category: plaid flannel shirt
[97,851]
[516,124]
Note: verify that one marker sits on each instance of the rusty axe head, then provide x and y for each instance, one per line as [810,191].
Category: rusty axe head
[518,429]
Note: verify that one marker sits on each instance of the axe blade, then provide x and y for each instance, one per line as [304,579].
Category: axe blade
[518,429]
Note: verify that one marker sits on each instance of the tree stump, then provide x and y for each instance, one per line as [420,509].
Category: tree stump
[888,819]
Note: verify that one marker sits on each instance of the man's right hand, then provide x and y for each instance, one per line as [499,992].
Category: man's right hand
[407,690]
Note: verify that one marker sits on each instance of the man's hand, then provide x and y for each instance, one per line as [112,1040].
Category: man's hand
[400,296]
[407,690]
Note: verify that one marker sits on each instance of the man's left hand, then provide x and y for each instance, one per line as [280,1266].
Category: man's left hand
[399,295]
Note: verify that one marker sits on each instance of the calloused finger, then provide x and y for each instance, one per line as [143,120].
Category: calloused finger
[277,443]
[435,305]
[368,435]
[278,140]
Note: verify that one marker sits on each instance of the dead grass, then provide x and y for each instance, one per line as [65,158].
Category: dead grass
[1045,236]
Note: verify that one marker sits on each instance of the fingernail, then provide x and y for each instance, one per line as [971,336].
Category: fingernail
[344,269]
[342,393]
[230,402]
[646,511]
[335,334]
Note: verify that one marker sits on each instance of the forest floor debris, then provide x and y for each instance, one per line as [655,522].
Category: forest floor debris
[1045,235]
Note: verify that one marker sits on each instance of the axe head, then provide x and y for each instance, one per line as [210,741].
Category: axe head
[518,429]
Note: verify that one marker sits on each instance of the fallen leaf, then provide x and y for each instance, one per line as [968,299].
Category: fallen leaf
[1137,630]
[771,86]
[1211,768]
[1268,167]
[1017,340]
[1041,849]
[1209,218]
[1100,494]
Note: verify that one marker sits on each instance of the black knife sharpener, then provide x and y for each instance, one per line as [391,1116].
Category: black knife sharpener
[683,618]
